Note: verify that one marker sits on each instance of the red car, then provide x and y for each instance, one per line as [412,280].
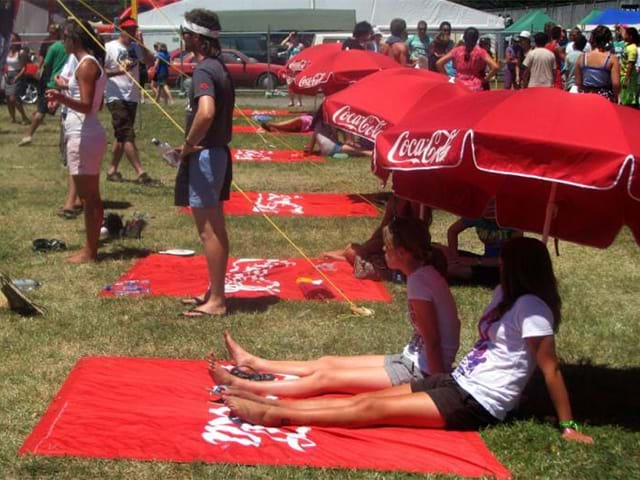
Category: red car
[245,71]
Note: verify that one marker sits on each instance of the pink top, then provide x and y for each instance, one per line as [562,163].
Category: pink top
[470,73]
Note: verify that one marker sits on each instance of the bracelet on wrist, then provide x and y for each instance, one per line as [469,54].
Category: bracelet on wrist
[571,424]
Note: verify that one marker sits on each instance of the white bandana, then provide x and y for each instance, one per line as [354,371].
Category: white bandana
[192,27]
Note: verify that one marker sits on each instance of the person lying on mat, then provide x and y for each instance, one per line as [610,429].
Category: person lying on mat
[432,348]
[470,267]
[326,138]
[368,258]
[302,124]
[516,335]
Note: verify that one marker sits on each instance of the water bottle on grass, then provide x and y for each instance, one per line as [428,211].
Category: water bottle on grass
[25,284]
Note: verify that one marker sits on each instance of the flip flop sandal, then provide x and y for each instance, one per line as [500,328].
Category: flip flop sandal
[248,373]
[192,301]
[18,302]
[68,214]
[46,245]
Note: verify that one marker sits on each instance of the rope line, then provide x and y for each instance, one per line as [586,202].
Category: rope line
[354,308]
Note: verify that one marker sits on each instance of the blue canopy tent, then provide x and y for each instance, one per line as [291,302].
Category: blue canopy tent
[616,17]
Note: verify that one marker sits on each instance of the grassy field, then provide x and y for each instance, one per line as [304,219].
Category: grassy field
[598,341]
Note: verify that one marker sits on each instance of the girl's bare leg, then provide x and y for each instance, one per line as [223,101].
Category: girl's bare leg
[301,368]
[313,403]
[345,380]
[413,410]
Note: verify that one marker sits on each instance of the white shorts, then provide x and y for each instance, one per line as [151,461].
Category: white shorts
[84,153]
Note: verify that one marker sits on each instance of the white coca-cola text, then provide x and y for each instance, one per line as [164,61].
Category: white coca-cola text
[424,151]
[298,65]
[368,126]
[314,80]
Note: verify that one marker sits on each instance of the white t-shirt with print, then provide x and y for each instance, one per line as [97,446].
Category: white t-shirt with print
[67,73]
[122,87]
[427,284]
[498,368]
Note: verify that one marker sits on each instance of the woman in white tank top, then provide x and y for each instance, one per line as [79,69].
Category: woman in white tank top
[15,68]
[85,138]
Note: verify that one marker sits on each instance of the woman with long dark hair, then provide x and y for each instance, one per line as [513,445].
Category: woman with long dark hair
[86,141]
[470,62]
[599,70]
[516,336]
[15,70]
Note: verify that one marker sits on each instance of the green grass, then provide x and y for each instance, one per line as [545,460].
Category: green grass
[598,341]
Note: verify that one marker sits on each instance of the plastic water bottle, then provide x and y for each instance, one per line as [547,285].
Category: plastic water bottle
[26,284]
[129,287]
[167,151]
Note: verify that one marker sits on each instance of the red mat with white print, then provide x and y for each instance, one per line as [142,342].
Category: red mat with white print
[298,205]
[253,129]
[157,409]
[251,278]
[273,156]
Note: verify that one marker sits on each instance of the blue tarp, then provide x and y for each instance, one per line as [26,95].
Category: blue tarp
[613,17]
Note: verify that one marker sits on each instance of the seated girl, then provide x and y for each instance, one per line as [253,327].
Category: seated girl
[516,335]
[432,349]
[368,258]
[469,267]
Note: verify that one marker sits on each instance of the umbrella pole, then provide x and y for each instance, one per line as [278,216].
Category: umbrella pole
[551,203]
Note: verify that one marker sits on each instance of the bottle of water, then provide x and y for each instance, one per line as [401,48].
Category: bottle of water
[26,284]
[129,287]
[167,151]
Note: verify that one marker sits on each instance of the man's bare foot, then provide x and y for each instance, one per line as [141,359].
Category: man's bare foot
[220,375]
[82,256]
[240,393]
[239,355]
[251,412]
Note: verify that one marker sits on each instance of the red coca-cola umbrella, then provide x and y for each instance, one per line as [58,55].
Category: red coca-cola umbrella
[380,100]
[331,73]
[559,164]
[309,55]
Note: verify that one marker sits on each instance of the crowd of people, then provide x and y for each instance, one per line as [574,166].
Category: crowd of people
[419,386]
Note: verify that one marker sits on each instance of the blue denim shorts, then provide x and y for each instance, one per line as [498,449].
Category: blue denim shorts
[209,177]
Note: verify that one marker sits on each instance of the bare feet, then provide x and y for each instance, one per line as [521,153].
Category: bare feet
[240,393]
[208,309]
[239,355]
[220,375]
[251,412]
[82,256]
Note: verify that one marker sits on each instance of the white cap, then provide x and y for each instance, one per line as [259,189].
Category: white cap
[377,31]
[525,34]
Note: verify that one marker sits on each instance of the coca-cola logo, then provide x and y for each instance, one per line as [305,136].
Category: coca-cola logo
[423,151]
[368,126]
[314,80]
[298,65]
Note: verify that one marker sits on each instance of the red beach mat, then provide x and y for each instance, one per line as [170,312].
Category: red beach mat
[253,129]
[275,156]
[157,409]
[298,205]
[250,278]
[238,112]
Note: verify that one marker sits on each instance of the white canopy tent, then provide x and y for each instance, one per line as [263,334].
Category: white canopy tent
[377,12]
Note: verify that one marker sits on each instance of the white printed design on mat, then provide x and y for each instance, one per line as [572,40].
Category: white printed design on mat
[277,203]
[224,429]
[251,275]
[248,155]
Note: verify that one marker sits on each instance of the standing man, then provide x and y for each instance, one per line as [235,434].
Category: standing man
[395,45]
[204,176]
[53,58]
[122,95]
[419,44]
[539,64]
[360,38]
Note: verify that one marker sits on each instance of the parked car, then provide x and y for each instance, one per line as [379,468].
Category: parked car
[245,71]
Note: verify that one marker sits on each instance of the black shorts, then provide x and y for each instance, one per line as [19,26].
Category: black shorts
[123,118]
[42,104]
[161,78]
[458,408]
